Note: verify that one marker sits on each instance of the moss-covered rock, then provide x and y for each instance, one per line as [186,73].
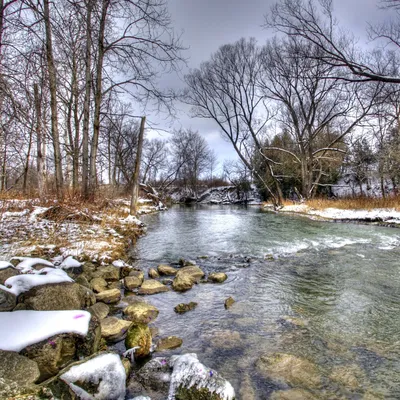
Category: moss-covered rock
[54,353]
[17,374]
[139,336]
[141,312]
[132,282]
[107,272]
[98,285]
[183,308]
[186,277]
[58,296]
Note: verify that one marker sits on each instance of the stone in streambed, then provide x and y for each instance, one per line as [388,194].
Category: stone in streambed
[153,274]
[229,302]
[107,272]
[151,286]
[132,282]
[169,343]
[99,310]
[217,277]
[166,270]
[186,277]
[183,308]
[141,312]
[109,296]
[98,285]
[114,329]
[139,336]
[289,369]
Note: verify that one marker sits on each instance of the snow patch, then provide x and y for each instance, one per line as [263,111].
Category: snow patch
[70,262]
[27,263]
[19,329]
[6,264]
[106,371]
[188,371]
[22,283]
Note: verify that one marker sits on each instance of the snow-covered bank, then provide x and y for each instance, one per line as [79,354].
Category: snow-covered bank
[384,216]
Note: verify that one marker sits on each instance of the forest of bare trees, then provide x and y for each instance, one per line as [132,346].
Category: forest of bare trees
[303,109]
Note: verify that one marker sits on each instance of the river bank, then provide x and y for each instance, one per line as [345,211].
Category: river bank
[75,321]
[388,217]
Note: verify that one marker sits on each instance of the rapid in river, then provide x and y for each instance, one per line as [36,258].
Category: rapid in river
[316,304]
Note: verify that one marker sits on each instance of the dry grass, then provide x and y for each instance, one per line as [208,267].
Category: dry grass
[355,203]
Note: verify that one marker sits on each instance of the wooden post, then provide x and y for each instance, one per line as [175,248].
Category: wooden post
[135,186]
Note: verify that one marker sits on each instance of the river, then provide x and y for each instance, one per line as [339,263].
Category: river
[328,293]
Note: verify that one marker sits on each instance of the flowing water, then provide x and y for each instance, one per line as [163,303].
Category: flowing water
[323,292]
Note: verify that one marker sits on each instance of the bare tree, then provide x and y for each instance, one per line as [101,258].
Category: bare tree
[225,89]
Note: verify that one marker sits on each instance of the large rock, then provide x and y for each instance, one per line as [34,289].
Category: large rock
[58,296]
[109,296]
[6,273]
[141,312]
[98,285]
[192,380]
[139,336]
[289,369]
[8,301]
[56,352]
[152,286]
[114,329]
[186,277]
[17,373]
[99,310]
[164,269]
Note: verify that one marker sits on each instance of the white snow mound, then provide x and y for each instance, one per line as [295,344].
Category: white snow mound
[19,329]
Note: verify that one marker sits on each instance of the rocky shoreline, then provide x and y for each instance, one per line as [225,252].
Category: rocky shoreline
[61,318]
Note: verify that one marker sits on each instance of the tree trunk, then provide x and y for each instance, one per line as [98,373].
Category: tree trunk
[53,102]
[97,99]
[135,178]
[39,141]
[86,106]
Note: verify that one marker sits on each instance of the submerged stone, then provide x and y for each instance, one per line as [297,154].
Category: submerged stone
[229,302]
[293,394]
[289,369]
[169,343]
[166,270]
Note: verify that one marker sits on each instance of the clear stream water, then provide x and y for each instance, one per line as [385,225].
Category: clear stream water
[325,292]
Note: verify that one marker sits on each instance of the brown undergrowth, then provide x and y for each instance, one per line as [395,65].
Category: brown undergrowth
[353,203]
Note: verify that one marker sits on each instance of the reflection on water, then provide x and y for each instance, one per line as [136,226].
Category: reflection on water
[324,293]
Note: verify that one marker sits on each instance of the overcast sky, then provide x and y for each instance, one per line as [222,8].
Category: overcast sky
[208,24]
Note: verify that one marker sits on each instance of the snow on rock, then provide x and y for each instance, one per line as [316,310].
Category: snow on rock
[22,283]
[5,264]
[106,371]
[189,372]
[69,262]
[19,329]
[27,263]
[131,219]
